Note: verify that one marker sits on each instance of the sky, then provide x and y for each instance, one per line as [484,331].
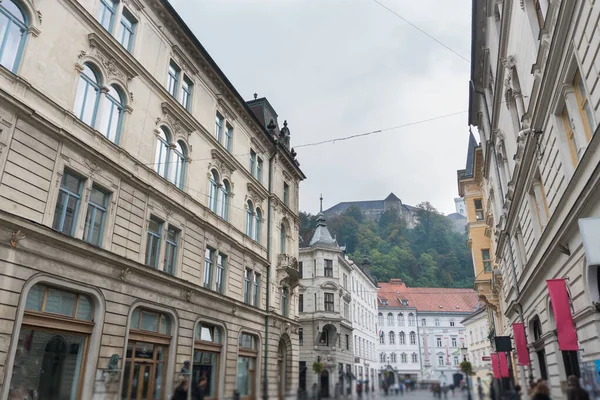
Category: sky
[335,68]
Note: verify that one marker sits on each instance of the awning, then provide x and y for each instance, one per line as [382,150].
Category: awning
[495,365]
[503,365]
[521,343]
[565,327]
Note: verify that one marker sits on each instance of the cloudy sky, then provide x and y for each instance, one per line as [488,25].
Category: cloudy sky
[335,68]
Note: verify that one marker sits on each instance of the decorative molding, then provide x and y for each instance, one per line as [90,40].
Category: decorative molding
[111,60]
[229,113]
[180,126]
[257,145]
[257,192]
[93,167]
[180,58]
[222,162]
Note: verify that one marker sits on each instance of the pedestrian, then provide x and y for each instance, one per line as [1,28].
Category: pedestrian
[479,388]
[541,391]
[359,389]
[200,391]
[181,390]
[575,391]
[518,392]
[401,388]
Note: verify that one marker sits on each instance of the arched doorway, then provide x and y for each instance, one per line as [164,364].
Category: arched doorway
[539,347]
[324,384]
[282,367]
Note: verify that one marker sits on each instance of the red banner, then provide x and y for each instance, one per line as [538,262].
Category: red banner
[495,365]
[503,365]
[521,343]
[567,336]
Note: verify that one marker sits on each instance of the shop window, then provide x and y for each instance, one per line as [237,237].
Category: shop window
[207,357]
[246,366]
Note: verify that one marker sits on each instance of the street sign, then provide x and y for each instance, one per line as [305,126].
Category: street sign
[486,358]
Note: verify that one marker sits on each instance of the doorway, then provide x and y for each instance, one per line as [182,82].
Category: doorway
[144,371]
[325,384]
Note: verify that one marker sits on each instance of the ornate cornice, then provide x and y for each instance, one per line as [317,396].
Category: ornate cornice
[178,121]
[230,114]
[257,192]
[222,161]
[111,60]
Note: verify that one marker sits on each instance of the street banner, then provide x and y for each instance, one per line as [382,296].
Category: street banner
[567,336]
[521,343]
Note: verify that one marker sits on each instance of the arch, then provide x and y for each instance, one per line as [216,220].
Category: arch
[392,337]
[284,364]
[179,163]
[87,97]
[99,307]
[257,224]
[244,354]
[216,381]
[249,217]
[213,192]
[112,106]
[402,336]
[162,152]
[15,13]
[413,338]
[225,199]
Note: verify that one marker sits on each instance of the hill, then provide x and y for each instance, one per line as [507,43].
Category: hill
[431,254]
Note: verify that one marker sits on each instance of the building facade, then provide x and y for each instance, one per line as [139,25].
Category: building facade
[534,100]
[148,215]
[431,338]
[364,323]
[478,342]
[325,315]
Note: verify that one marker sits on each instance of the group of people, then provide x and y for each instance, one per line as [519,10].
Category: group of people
[539,390]
[198,392]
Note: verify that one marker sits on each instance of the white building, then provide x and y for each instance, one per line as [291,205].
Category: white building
[325,314]
[364,323]
[534,98]
[146,210]
[478,342]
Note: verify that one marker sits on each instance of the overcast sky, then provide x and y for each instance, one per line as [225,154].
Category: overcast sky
[334,68]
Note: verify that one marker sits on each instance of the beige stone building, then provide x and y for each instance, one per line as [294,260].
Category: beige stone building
[534,97]
[148,213]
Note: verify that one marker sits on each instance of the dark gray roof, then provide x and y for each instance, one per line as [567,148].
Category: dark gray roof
[363,205]
[392,197]
[322,236]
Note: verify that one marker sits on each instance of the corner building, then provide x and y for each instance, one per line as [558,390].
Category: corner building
[148,214]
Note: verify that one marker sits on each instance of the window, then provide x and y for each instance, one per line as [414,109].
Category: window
[301,303]
[346,310]
[249,218]
[67,204]
[153,242]
[225,191]
[213,192]
[207,353]
[381,338]
[423,322]
[161,157]
[345,281]
[328,268]
[437,322]
[106,16]
[456,361]
[413,338]
[301,269]
[324,337]
[173,79]
[478,209]
[453,342]
[329,302]
[347,342]
[393,358]
[111,115]
[257,224]
[246,365]
[177,170]
[282,239]
[585,108]
[88,94]
[487,263]
[229,139]
[126,30]
[209,261]
[286,194]
[413,358]
[247,285]
[471,336]
[403,358]
[438,342]
[390,319]
[221,266]
[171,250]
[380,319]
[13,24]
[401,319]
[382,357]
[259,169]
[253,163]
[186,92]
[256,284]
[541,205]
[285,294]
[440,360]
[392,339]
[402,338]
[219,127]
[571,138]
[96,213]
[411,319]
[451,322]
[300,336]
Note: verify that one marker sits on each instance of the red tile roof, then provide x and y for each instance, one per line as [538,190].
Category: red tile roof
[428,299]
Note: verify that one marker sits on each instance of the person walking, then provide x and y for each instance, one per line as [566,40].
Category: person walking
[200,391]
[575,391]
[541,391]
[181,390]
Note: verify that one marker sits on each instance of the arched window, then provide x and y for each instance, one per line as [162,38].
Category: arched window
[413,338]
[249,218]
[392,337]
[400,319]
[208,346]
[246,366]
[13,30]
[177,170]
[257,222]
[390,319]
[225,190]
[382,357]
[380,319]
[403,358]
[111,114]
[282,239]
[88,94]
[402,338]
[161,163]
[411,319]
[213,193]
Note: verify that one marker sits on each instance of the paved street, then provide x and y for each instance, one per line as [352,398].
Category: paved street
[415,395]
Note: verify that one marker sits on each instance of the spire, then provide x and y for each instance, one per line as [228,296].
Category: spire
[322,235]
[321,202]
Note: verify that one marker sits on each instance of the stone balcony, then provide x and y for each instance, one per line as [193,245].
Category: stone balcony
[288,273]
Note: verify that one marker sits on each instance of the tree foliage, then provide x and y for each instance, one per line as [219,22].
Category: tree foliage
[430,254]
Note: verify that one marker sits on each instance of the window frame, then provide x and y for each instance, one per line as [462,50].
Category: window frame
[173,72]
[221,270]
[328,302]
[479,213]
[209,261]
[150,238]
[187,88]
[95,85]
[131,29]
[171,247]
[328,268]
[486,261]
[68,193]
[96,207]
[583,105]
[285,293]
[104,7]
[24,28]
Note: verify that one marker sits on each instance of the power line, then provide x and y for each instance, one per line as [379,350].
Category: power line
[422,31]
[380,130]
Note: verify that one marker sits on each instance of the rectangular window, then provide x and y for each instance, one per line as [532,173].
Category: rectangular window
[455,361]
[256,300]
[126,30]
[286,194]
[347,342]
[259,169]
[346,310]
[438,342]
[219,127]
[300,336]
[478,209]
[153,243]
[94,220]
[253,163]
[209,261]
[247,286]
[173,79]
[228,137]
[301,303]
[221,265]
[171,250]
[329,268]
[585,108]
[285,294]
[571,138]
[453,342]
[186,93]
[487,262]
[345,281]
[329,302]
[107,13]
[437,322]
[301,269]
[67,205]
[451,323]
[440,360]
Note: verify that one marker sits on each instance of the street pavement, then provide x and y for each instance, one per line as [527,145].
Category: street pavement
[416,395]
